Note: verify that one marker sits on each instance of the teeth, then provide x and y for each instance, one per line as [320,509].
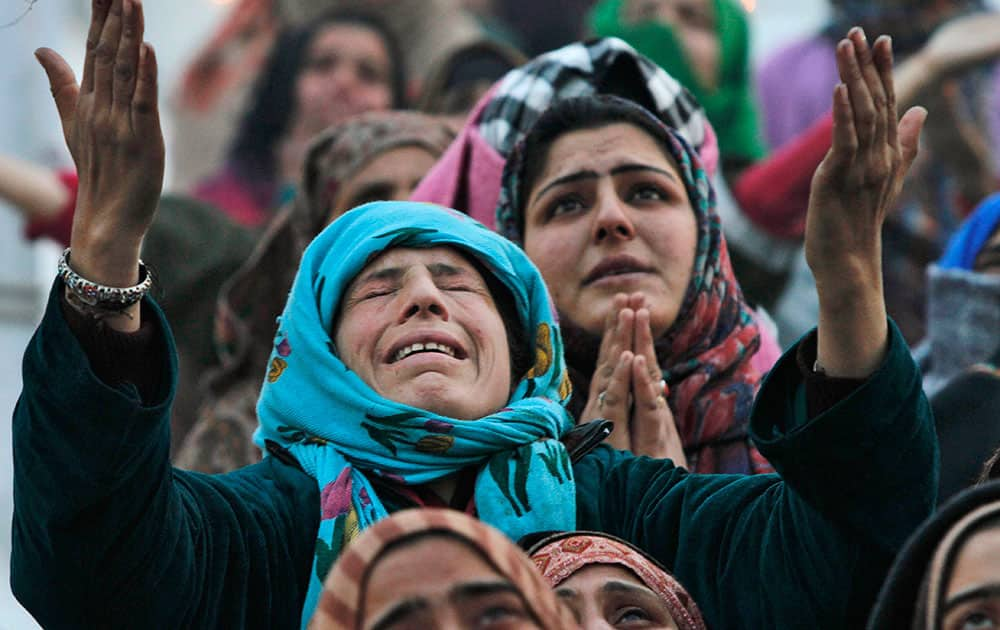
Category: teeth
[430,346]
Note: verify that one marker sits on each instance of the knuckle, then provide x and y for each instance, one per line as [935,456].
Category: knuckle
[104,52]
[124,72]
[142,107]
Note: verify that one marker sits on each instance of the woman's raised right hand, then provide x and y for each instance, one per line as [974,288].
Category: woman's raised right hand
[112,128]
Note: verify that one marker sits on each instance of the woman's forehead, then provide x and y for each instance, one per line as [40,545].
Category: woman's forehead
[603,148]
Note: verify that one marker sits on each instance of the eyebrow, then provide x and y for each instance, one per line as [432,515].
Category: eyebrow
[589,174]
[978,592]
[625,587]
[438,270]
[468,590]
[373,191]
[401,611]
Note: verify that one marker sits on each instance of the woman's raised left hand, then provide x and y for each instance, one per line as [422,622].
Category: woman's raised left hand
[111,125]
[854,187]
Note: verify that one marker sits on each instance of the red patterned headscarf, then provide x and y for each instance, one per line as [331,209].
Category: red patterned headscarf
[343,591]
[560,556]
[705,356]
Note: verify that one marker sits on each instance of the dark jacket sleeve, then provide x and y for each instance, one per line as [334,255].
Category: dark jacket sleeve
[107,534]
[804,548]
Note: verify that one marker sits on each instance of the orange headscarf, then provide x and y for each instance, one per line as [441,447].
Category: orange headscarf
[343,591]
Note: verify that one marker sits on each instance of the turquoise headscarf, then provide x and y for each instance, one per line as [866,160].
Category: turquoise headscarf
[342,432]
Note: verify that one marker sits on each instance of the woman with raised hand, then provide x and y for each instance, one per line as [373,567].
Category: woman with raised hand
[418,363]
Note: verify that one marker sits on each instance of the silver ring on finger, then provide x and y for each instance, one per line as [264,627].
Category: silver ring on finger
[600,399]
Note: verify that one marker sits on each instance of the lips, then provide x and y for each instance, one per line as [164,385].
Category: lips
[418,342]
[616,266]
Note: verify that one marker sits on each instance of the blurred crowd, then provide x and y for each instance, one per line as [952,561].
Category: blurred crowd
[650,118]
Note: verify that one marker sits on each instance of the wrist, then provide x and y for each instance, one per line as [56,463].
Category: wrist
[113,264]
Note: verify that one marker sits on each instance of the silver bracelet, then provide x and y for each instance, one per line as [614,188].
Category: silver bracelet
[98,296]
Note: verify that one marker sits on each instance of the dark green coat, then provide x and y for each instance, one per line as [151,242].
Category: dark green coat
[107,534]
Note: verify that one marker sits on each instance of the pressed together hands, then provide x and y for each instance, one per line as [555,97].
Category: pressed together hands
[111,125]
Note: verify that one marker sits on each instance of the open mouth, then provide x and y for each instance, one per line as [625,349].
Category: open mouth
[615,266]
[423,344]
[430,346]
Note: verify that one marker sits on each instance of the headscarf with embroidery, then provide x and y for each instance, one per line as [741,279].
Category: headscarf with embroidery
[244,324]
[730,104]
[559,556]
[343,433]
[705,356]
[340,605]
[467,177]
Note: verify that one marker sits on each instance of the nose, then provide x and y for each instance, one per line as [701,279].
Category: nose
[596,622]
[421,297]
[343,78]
[612,218]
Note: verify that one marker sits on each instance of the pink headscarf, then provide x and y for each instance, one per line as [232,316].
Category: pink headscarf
[467,177]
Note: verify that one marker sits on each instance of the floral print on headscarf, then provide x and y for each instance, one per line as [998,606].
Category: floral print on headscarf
[343,433]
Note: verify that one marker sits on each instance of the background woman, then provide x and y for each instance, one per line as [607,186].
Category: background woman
[959,356]
[339,65]
[705,45]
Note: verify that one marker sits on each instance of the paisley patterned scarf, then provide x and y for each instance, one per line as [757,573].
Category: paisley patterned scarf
[343,433]
[705,356]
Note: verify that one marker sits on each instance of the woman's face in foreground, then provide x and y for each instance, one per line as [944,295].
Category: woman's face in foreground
[609,214]
[609,596]
[420,327]
[347,71]
[972,599]
[437,582]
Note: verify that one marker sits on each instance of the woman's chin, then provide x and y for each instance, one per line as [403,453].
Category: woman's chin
[450,402]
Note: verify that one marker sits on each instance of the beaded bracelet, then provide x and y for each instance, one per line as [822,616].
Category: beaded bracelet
[98,296]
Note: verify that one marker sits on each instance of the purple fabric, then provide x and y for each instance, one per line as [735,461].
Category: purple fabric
[795,85]
[791,99]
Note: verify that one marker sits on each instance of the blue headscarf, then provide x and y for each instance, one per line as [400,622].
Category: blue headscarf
[343,433]
[975,232]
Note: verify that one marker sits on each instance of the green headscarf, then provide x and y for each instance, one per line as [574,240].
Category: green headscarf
[730,106]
